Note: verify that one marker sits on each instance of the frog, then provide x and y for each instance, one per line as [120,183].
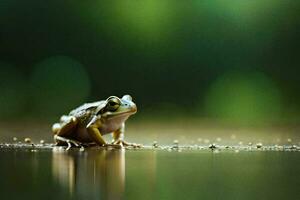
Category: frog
[86,124]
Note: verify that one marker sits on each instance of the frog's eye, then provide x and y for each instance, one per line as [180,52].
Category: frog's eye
[113,104]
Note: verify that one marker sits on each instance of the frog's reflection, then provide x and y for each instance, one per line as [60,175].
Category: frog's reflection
[90,174]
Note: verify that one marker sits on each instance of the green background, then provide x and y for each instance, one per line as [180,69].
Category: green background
[235,61]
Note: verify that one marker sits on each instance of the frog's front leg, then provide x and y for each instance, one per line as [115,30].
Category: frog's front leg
[118,138]
[94,132]
[96,136]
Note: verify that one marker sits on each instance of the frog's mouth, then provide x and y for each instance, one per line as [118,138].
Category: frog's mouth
[120,114]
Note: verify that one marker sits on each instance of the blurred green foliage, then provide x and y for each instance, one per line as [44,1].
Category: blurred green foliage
[244,97]
[170,56]
[59,83]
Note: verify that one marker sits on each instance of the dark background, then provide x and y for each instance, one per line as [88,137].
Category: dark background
[232,60]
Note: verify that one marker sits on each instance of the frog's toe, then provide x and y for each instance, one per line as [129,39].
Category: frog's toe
[117,146]
[74,143]
[127,144]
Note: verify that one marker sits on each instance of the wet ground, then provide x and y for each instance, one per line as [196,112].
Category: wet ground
[176,162]
[43,171]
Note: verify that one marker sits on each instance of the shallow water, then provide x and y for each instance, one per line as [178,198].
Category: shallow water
[148,174]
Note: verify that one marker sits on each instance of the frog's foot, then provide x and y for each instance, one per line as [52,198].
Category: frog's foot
[114,146]
[126,144]
[69,142]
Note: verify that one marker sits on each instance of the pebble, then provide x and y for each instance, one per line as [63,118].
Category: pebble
[15,139]
[212,146]
[280,148]
[259,145]
[27,140]
[154,144]
[175,144]
[294,147]
[42,141]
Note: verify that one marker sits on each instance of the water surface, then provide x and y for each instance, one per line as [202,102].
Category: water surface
[148,174]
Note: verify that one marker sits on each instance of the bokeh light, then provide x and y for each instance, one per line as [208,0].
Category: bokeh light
[245,98]
[13,91]
[149,18]
[59,83]
[246,11]
[161,52]
[133,23]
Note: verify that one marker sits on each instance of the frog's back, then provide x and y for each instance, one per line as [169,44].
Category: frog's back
[87,109]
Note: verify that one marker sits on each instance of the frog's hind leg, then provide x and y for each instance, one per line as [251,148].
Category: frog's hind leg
[66,126]
[63,130]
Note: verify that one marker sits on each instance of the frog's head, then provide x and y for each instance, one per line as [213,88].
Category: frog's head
[114,109]
[119,107]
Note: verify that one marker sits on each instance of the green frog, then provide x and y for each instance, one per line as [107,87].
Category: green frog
[87,124]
